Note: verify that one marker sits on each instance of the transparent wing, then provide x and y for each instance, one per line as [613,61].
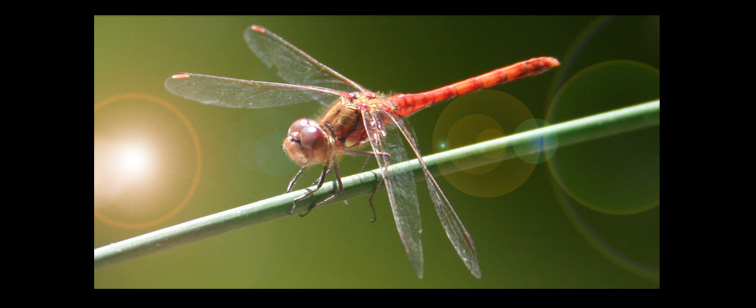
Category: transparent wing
[239,93]
[453,226]
[293,64]
[400,186]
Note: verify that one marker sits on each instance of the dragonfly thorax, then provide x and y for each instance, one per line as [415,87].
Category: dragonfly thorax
[307,143]
[344,119]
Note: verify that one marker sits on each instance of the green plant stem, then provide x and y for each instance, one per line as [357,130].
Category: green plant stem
[571,132]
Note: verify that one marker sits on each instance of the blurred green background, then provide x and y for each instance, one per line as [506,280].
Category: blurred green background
[588,217]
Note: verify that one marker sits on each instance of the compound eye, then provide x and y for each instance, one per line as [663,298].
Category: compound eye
[306,143]
[310,137]
[299,125]
[306,133]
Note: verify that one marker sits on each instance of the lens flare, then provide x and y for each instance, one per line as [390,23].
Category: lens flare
[147,160]
[135,161]
[476,117]
[541,149]
[616,175]
[120,166]
[609,188]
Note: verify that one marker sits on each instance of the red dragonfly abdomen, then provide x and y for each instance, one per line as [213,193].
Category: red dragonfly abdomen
[407,104]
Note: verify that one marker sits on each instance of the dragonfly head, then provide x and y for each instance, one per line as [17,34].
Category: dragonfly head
[306,143]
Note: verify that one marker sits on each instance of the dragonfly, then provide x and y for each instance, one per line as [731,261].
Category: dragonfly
[356,116]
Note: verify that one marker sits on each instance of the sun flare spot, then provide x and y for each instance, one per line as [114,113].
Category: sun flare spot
[147,160]
[134,160]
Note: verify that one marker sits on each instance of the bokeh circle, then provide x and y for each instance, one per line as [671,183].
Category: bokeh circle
[539,150]
[148,204]
[476,117]
[616,175]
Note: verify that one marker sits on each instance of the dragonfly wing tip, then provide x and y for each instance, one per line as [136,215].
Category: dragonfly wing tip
[181,76]
[257,28]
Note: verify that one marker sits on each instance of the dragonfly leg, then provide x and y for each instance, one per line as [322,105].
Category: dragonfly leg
[302,197]
[369,155]
[377,187]
[364,166]
[291,185]
[338,189]
[294,180]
